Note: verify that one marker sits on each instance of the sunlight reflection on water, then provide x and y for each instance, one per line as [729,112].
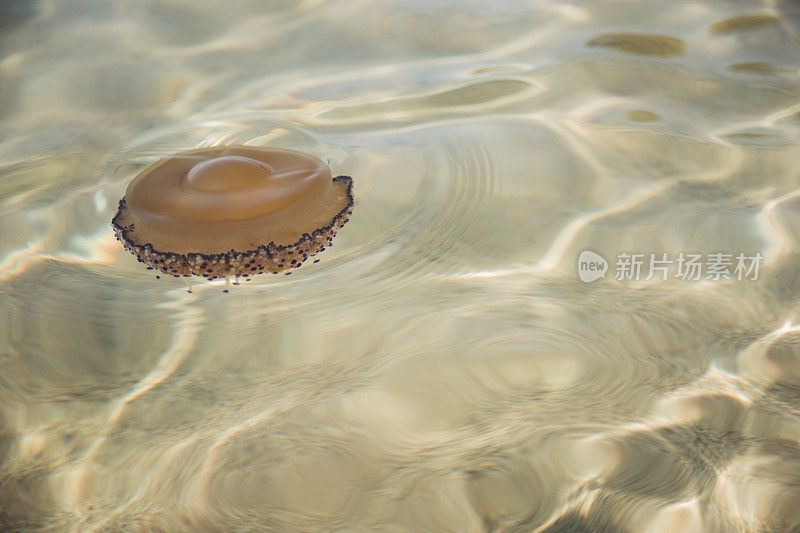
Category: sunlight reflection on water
[442,368]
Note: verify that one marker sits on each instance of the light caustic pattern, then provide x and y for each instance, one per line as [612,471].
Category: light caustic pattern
[443,368]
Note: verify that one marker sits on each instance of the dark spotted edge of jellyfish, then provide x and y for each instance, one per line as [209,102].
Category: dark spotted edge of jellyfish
[270,257]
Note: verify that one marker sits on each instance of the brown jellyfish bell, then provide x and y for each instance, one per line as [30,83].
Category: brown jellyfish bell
[232,211]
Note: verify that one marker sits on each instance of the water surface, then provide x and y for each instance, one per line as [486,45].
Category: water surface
[443,367]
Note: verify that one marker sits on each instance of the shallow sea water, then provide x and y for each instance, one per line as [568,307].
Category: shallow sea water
[443,367]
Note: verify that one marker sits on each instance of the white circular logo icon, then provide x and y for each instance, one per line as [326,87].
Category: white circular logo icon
[591,266]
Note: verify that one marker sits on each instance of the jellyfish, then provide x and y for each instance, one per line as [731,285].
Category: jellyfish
[232,211]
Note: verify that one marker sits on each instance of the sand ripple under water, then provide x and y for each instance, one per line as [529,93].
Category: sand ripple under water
[442,368]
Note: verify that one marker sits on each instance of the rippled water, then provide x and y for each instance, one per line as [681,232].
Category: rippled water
[443,367]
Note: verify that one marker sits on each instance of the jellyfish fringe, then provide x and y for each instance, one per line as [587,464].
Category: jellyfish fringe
[270,257]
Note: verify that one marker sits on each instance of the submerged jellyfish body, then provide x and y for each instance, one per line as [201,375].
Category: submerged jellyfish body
[232,211]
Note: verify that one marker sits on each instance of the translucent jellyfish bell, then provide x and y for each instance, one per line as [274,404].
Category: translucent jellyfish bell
[232,211]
